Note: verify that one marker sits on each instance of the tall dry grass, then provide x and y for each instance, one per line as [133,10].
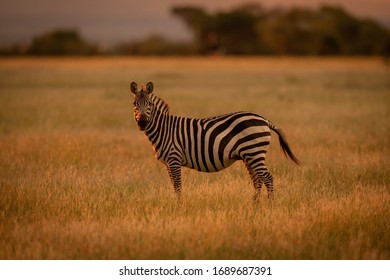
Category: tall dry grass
[79,181]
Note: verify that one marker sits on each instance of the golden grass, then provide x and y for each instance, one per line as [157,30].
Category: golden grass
[79,181]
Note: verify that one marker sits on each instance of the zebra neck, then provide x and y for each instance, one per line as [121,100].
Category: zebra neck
[160,134]
[160,104]
[158,127]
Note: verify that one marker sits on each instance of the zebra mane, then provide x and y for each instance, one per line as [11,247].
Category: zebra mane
[160,104]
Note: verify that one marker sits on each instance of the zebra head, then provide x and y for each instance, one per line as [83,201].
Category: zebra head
[142,104]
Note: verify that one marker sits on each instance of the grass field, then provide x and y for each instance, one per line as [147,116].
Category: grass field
[79,181]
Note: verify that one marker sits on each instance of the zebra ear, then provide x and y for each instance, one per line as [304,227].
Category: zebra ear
[149,87]
[134,87]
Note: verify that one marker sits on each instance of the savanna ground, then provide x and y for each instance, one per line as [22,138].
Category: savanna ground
[79,181]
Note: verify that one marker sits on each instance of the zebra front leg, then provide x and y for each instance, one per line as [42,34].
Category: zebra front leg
[174,172]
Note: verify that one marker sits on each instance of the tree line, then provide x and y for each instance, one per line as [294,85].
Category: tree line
[251,29]
[248,29]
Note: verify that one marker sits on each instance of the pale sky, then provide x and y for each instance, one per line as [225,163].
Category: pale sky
[110,21]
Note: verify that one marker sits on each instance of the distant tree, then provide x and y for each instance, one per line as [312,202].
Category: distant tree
[199,22]
[236,32]
[339,28]
[153,45]
[249,29]
[327,44]
[231,32]
[373,39]
[12,50]
[289,32]
[340,33]
[61,42]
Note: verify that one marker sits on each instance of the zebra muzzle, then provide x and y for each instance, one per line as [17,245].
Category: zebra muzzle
[142,122]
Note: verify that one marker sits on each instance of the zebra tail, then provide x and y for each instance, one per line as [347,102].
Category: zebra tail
[283,143]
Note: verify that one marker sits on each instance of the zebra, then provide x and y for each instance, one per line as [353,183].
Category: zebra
[209,144]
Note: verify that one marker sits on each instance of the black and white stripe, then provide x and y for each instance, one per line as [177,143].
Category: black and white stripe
[207,145]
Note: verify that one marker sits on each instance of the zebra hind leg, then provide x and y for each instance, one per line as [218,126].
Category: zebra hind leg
[268,182]
[257,183]
[259,176]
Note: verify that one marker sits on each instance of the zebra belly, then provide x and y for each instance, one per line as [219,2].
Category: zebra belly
[216,168]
